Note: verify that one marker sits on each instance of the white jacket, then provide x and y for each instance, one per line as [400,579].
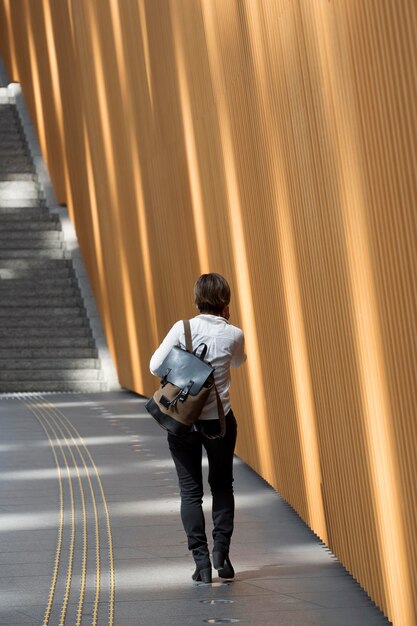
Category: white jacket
[225,349]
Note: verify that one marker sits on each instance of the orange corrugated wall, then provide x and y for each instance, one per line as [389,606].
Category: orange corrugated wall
[273,141]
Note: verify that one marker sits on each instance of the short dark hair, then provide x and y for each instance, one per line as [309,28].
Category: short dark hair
[212,293]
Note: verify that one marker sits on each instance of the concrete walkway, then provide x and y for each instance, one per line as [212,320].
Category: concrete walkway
[91,534]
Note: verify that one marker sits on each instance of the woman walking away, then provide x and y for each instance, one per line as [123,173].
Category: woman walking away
[225,349]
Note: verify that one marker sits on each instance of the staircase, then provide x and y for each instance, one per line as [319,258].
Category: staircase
[45,340]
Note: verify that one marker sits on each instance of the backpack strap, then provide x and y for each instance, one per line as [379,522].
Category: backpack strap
[188,338]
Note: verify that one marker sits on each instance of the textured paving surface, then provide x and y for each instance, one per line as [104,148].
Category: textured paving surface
[99,540]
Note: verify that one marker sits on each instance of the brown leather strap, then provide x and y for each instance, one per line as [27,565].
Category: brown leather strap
[188,338]
[222,418]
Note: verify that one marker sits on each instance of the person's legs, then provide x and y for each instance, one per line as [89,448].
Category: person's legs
[220,459]
[186,452]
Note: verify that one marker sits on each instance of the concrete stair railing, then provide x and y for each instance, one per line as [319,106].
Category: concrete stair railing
[46,343]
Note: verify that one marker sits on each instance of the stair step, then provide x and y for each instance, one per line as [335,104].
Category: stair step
[48,341]
[43,322]
[10,128]
[10,132]
[40,311]
[16,165]
[48,364]
[31,212]
[49,254]
[9,171]
[54,352]
[18,186]
[10,205]
[35,274]
[8,116]
[18,248]
[45,386]
[18,299]
[24,193]
[52,298]
[5,113]
[19,195]
[10,125]
[39,301]
[12,189]
[48,332]
[56,376]
[11,138]
[21,249]
[13,143]
[42,221]
[47,286]
[48,298]
[8,120]
[11,176]
[13,150]
[10,226]
[19,150]
[7,109]
[23,221]
[29,237]
[8,160]
[39,263]
[50,280]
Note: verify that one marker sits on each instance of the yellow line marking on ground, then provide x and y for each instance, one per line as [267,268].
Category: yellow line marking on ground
[60,528]
[84,510]
[52,414]
[106,510]
[38,414]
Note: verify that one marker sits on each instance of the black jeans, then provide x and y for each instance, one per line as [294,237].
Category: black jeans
[187,454]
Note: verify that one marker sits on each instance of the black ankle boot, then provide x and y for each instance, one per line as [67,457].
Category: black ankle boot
[222,564]
[202,574]
[203,564]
